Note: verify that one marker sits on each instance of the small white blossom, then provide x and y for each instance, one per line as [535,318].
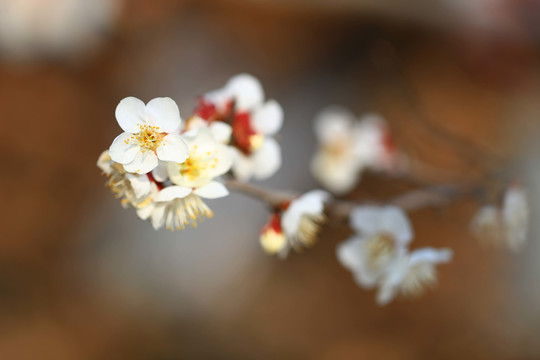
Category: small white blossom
[348,146]
[507,225]
[383,235]
[151,133]
[134,190]
[253,122]
[180,205]
[303,218]
[272,238]
[410,274]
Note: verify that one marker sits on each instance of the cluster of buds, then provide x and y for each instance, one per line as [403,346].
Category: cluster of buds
[163,167]
[378,254]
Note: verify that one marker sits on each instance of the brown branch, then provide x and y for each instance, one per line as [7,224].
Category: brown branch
[339,210]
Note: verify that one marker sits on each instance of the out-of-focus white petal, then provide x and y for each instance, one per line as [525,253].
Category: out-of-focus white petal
[311,203]
[122,150]
[164,112]
[212,190]
[267,160]
[129,113]
[430,255]
[158,216]
[173,192]
[395,221]
[160,172]
[366,219]
[105,162]
[145,212]
[348,253]
[140,184]
[337,174]
[333,123]
[173,148]
[246,90]
[243,166]
[143,163]
[268,119]
[222,131]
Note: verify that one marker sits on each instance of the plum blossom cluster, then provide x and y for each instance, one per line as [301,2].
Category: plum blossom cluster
[378,254]
[505,225]
[166,168]
[348,146]
[163,167]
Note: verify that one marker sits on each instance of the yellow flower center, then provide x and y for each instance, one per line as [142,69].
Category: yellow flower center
[148,138]
[381,248]
[198,165]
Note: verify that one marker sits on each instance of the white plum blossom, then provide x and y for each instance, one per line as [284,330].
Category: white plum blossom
[348,146]
[411,274]
[378,255]
[383,234]
[296,225]
[150,134]
[253,121]
[134,190]
[507,225]
[179,205]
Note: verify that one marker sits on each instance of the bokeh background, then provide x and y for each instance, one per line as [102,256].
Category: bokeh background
[82,278]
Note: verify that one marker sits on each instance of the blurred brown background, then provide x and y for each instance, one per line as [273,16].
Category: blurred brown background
[81,278]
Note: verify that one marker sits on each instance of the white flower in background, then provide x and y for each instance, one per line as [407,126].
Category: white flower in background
[296,225]
[410,274]
[33,28]
[221,131]
[180,205]
[150,133]
[508,225]
[134,190]
[515,215]
[383,234]
[348,146]
[253,121]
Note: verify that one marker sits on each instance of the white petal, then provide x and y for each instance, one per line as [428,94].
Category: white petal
[140,183]
[142,163]
[333,123]
[212,190]
[366,219]
[173,192]
[243,166]
[311,203]
[105,162]
[222,131]
[246,90]
[431,255]
[160,173]
[129,113]
[395,221]
[349,253]
[145,212]
[173,148]
[164,113]
[336,173]
[267,159]
[122,150]
[158,216]
[268,119]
